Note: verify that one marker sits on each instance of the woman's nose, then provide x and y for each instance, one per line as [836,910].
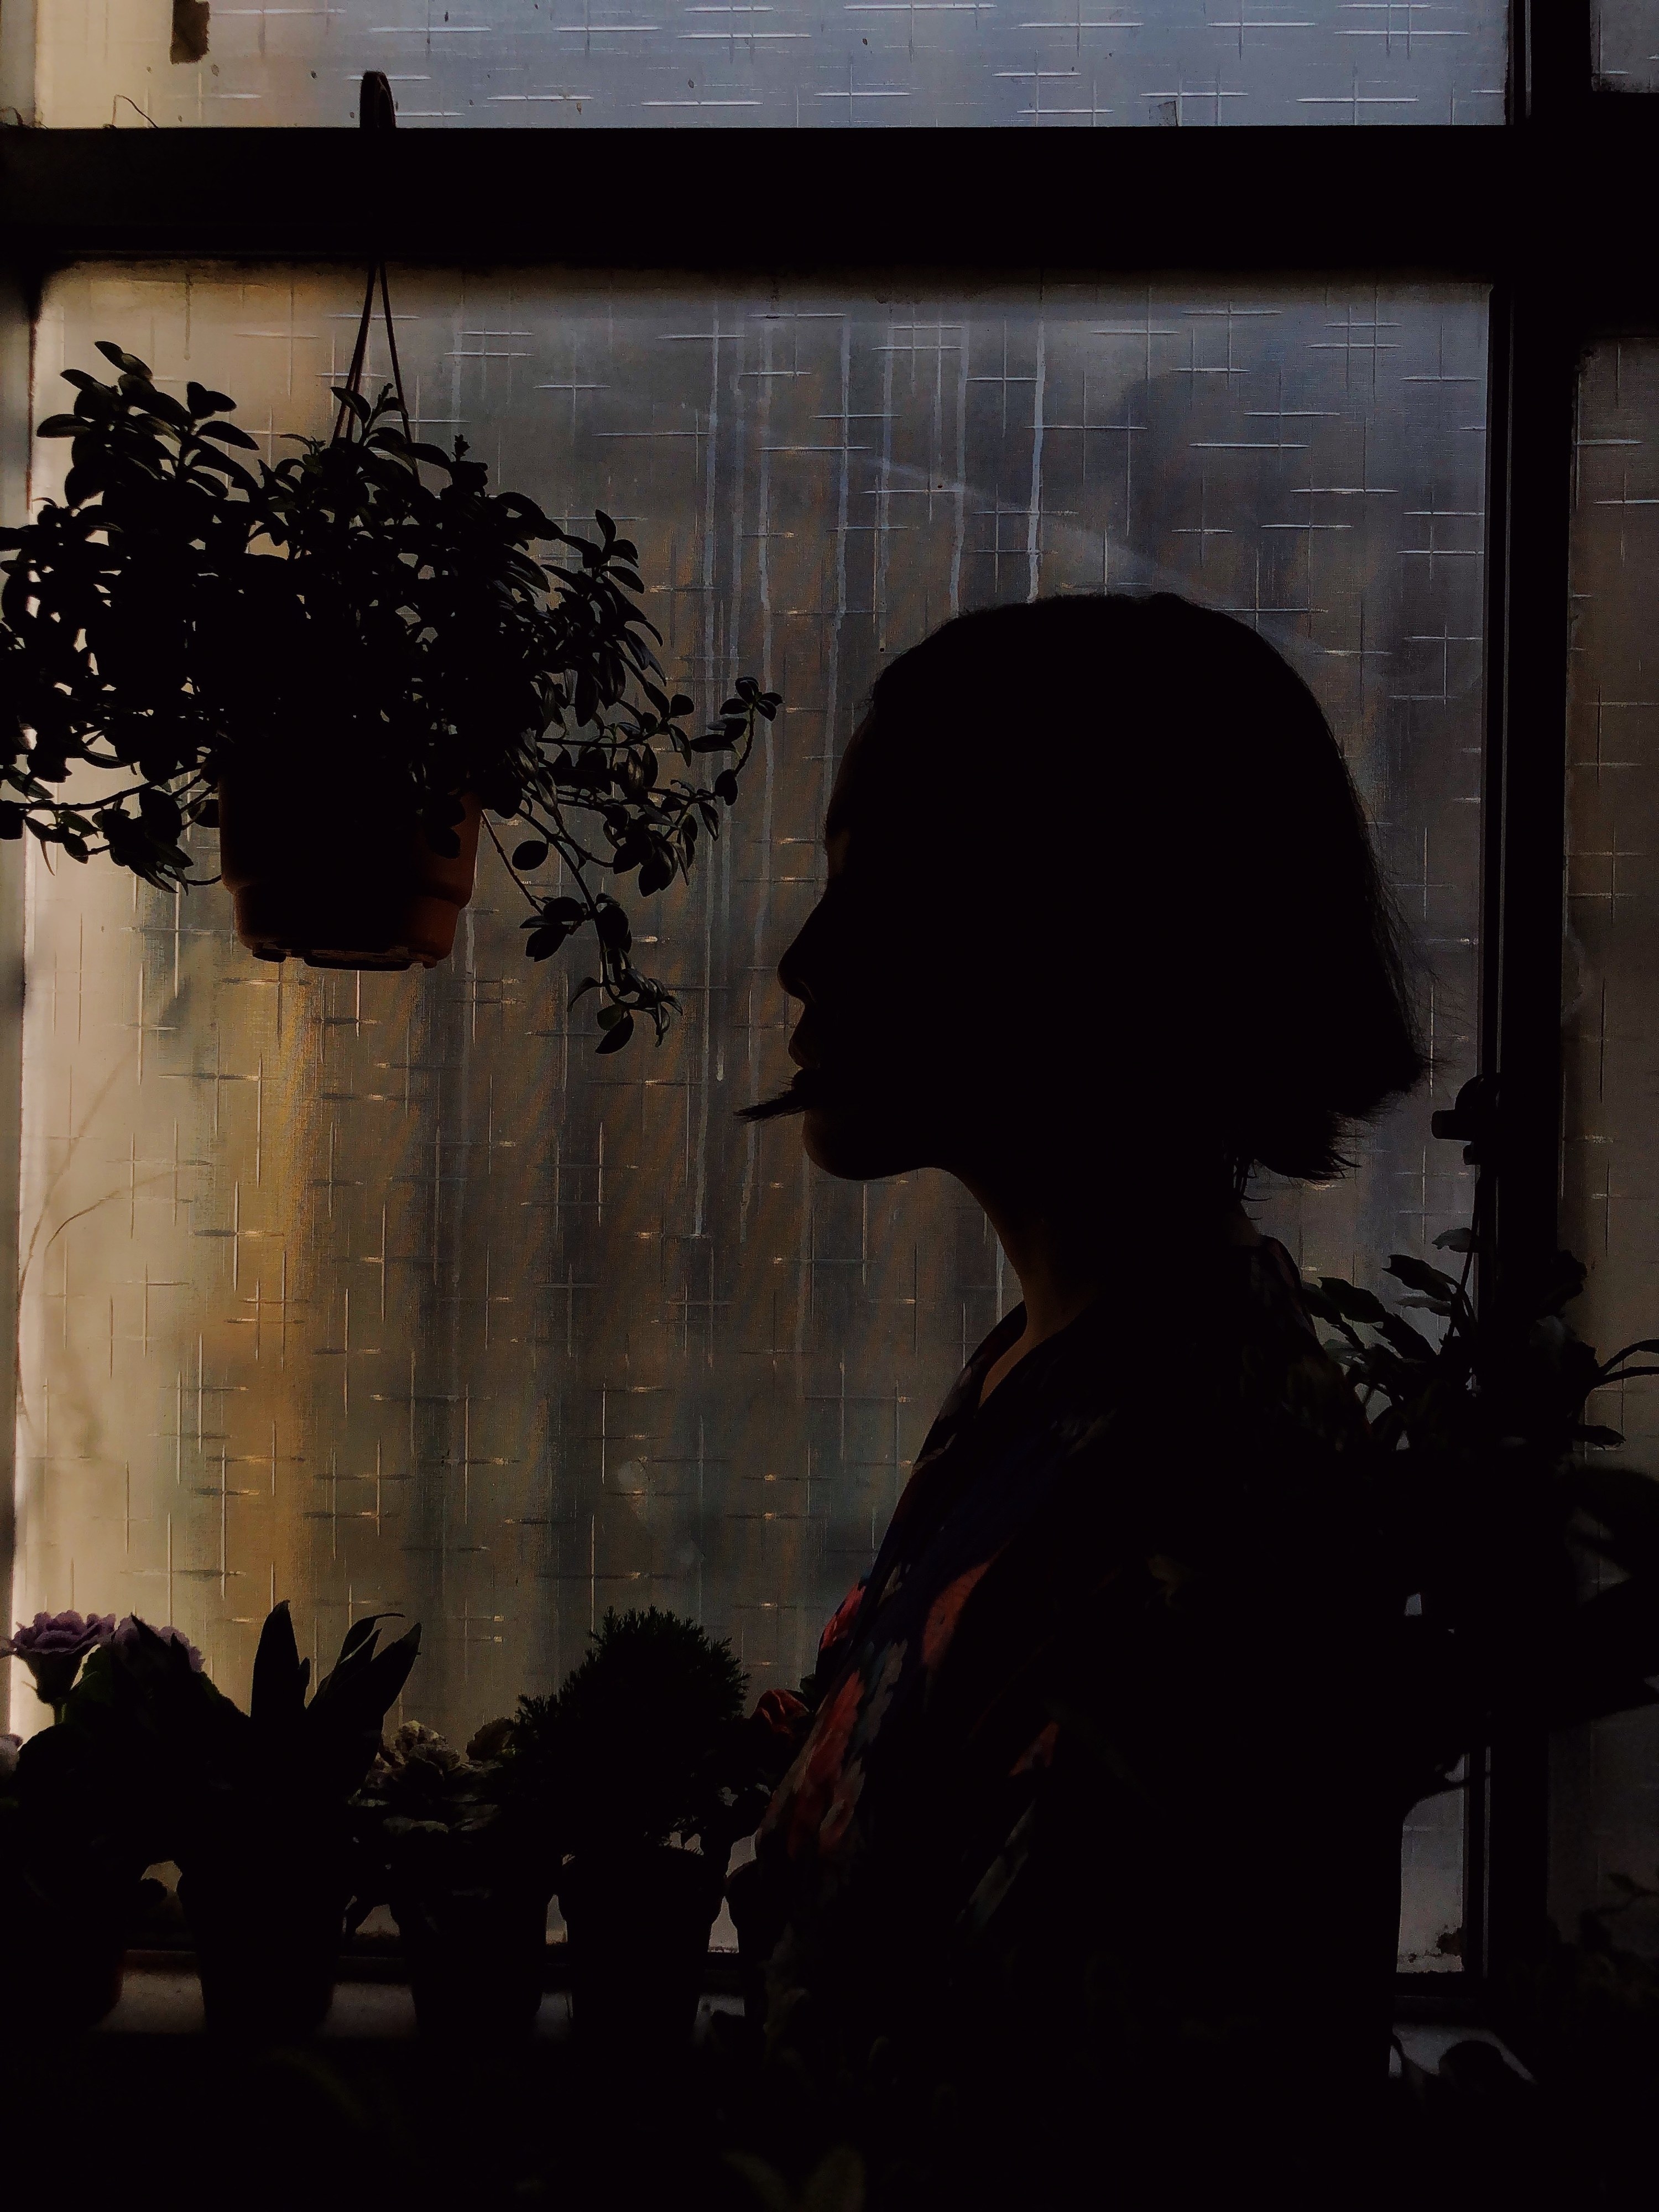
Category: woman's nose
[789,970]
[796,968]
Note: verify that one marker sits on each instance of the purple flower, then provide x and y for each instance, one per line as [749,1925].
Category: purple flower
[53,1644]
[126,1639]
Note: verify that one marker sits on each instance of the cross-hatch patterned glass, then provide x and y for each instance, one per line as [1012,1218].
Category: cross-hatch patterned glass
[1610,1209]
[385,1291]
[1626,45]
[781,63]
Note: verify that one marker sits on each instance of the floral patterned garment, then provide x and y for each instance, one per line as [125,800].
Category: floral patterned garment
[1056,1532]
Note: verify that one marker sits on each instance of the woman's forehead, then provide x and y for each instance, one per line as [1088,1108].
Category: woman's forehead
[843,799]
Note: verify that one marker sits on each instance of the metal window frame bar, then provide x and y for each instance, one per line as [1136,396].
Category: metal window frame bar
[1494,204]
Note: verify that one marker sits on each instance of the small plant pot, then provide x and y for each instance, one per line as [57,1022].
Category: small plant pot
[267,1949]
[61,1962]
[329,884]
[638,1925]
[476,1960]
[759,1921]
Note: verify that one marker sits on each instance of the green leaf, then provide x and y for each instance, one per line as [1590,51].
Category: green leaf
[62,426]
[531,855]
[1628,1352]
[1417,1275]
[280,1676]
[128,363]
[227,434]
[1352,1303]
[1408,1342]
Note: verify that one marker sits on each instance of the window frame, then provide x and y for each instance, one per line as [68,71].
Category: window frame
[1491,203]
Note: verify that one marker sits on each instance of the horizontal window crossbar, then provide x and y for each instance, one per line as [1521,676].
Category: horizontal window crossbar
[1466,202]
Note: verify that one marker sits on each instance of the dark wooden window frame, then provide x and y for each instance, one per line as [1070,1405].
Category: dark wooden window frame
[1529,208]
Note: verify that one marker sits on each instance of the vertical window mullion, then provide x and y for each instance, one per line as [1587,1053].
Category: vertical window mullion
[1536,348]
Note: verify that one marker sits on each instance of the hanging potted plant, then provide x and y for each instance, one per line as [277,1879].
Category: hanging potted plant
[466,1876]
[347,660]
[644,1773]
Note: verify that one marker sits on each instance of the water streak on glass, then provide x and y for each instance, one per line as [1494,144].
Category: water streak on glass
[780,63]
[1610,1188]
[383,1292]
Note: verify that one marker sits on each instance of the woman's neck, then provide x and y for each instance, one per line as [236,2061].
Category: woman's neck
[1068,1252]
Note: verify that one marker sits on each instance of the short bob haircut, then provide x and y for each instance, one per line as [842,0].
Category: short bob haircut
[1149,783]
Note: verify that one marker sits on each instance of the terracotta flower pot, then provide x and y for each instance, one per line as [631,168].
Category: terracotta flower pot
[328,885]
[266,1949]
[476,1960]
[638,1925]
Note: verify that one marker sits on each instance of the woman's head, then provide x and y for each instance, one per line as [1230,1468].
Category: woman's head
[1098,873]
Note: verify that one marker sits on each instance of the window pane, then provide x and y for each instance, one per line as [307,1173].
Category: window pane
[781,62]
[1607,1775]
[1626,50]
[383,1290]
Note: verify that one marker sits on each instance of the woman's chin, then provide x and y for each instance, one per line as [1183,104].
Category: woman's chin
[857,1145]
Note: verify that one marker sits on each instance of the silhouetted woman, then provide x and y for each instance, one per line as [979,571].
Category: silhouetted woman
[1091,1838]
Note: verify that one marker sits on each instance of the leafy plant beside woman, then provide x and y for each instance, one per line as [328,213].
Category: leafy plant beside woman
[1492,1508]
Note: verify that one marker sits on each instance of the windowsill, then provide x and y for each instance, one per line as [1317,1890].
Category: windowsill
[160,1995]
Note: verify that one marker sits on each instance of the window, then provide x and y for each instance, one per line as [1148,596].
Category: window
[816,63]
[381,1291]
[1626,34]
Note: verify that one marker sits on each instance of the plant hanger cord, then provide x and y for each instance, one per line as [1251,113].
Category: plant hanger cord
[376,112]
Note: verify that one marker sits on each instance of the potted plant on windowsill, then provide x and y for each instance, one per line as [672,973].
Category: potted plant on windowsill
[467,1875]
[148,1761]
[346,660]
[76,1836]
[265,1852]
[642,1773]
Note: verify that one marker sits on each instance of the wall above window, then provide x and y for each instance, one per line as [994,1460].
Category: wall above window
[817,63]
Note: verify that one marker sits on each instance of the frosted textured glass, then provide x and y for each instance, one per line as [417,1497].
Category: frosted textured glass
[384,1291]
[785,62]
[1608,1774]
[1626,45]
